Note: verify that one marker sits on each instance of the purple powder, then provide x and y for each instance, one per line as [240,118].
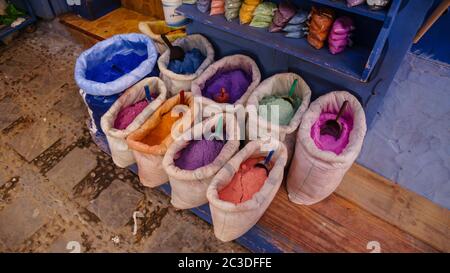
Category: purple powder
[234,81]
[199,153]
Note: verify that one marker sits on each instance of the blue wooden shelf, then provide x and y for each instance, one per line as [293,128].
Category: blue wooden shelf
[351,62]
[362,9]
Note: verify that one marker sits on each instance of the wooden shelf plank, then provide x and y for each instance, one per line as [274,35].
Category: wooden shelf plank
[350,62]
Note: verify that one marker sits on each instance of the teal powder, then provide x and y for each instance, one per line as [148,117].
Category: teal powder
[286,111]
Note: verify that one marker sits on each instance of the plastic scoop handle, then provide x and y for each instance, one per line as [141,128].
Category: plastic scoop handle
[147,93]
[291,91]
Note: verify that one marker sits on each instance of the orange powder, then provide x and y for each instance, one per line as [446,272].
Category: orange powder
[247,181]
[161,131]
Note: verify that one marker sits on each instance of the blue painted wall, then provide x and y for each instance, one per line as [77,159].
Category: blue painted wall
[409,141]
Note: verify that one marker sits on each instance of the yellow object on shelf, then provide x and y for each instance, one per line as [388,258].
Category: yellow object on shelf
[154,29]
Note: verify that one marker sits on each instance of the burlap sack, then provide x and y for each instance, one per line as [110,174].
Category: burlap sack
[225,64]
[120,153]
[149,158]
[189,186]
[233,220]
[177,82]
[314,174]
[154,29]
[280,84]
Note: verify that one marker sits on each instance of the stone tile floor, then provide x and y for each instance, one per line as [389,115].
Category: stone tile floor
[58,191]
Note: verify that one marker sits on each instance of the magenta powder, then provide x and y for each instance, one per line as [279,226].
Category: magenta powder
[199,153]
[128,114]
[234,81]
[327,142]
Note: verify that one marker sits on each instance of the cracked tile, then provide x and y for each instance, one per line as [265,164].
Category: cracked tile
[23,217]
[34,140]
[116,204]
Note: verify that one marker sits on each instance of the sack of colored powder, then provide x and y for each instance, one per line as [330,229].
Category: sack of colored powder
[154,29]
[115,64]
[284,13]
[217,7]
[246,11]
[340,34]
[277,86]
[191,164]
[321,161]
[176,82]
[232,9]
[263,14]
[120,153]
[151,140]
[237,74]
[319,26]
[203,5]
[233,219]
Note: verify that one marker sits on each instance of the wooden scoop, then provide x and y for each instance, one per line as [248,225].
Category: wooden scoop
[265,163]
[333,127]
[182,99]
[176,52]
[222,97]
[290,97]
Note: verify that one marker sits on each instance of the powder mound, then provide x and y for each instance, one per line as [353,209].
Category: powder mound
[247,181]
[116,67]
[199,153]
[327,142]
[191,62]
[235,82]
[161,131]
[126,115]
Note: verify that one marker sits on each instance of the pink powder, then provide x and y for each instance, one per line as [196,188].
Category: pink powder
[128,114]
[327,142]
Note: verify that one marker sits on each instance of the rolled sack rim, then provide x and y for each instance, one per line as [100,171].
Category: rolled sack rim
[231,61]
[305,92]
[259,198]
[108,119]
[356,138]
[163,60]
[123,82]
[228,151]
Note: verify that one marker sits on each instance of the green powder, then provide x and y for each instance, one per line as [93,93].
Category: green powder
[286,110]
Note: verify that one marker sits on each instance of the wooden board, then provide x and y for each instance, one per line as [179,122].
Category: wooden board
[400,207]
[119,21]
[151,8]
[333,225]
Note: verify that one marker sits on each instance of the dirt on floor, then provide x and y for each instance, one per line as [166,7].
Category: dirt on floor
[58,191]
